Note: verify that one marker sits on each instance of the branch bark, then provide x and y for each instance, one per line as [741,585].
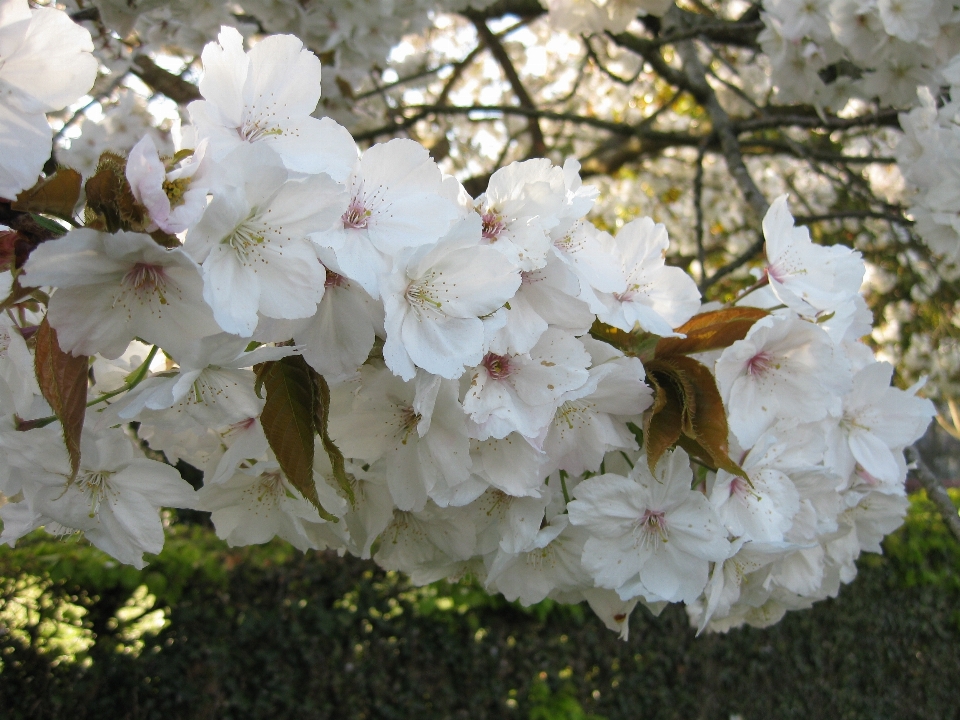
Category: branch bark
[935,491]
[496,48]
[173,86]
[696,75]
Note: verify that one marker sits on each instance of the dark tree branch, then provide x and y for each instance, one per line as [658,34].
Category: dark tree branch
[158,79]
[496,48]
[740,34]
[696,75]
[650,52]
[662,138]
[807,117]
[520,8]
[847,214]
[698,209]
[935,491]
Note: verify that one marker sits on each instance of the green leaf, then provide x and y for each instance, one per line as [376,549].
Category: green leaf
[63,382]
[48,224]
[288,423]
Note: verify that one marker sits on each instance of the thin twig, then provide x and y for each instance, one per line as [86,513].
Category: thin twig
[698,208]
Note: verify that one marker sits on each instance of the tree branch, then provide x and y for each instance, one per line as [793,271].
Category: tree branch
[698,210]
[173,86]
[696,75]
[935,491]
[538,145]
[844,214]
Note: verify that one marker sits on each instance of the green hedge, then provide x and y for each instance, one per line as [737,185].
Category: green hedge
[207,631]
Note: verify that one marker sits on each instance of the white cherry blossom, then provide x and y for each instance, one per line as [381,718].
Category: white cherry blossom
[211,386]
[435,298]
[114,500]
[258,503]
[337,340]
[591,420]
[45,65]
[805,277]
[266,96]
[396,201]
[521,392]
[877,422]
[175,198]
[649,536]
[551,564]
[546,297]
[423,441]
[656,297]
[523,202]
[784,367]
[761,508]
[111,288]
[252,241]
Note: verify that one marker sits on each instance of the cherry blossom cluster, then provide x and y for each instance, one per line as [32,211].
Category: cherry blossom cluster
[597,16]
[357,35]
[927,157]
[483,429]
[822,433]
[828,51]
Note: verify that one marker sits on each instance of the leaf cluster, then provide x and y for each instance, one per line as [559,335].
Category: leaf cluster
[687,409]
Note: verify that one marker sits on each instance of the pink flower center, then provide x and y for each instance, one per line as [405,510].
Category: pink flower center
[251,130]
[409,419]
[334,280]
[498,366]
[759,363]
[866,477]
[531,277]
[144,278]
[739,487]
[493,225]
[652,527]
[357,216]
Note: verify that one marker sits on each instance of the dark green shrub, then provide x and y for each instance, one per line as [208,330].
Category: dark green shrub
[207,631]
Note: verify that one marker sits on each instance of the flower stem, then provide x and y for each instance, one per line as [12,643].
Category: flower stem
[132,380]
[563,486]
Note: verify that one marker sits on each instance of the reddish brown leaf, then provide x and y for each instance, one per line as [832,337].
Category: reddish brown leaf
[111,205]
[288,423]
[687,411]
[321,418]
[640,344]
[56,195]
[662,428]
[668,372]
[8,249]
[711,331]
[710,429]
[63,382]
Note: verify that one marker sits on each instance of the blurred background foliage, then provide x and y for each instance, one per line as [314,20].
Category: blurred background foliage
[209,631]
